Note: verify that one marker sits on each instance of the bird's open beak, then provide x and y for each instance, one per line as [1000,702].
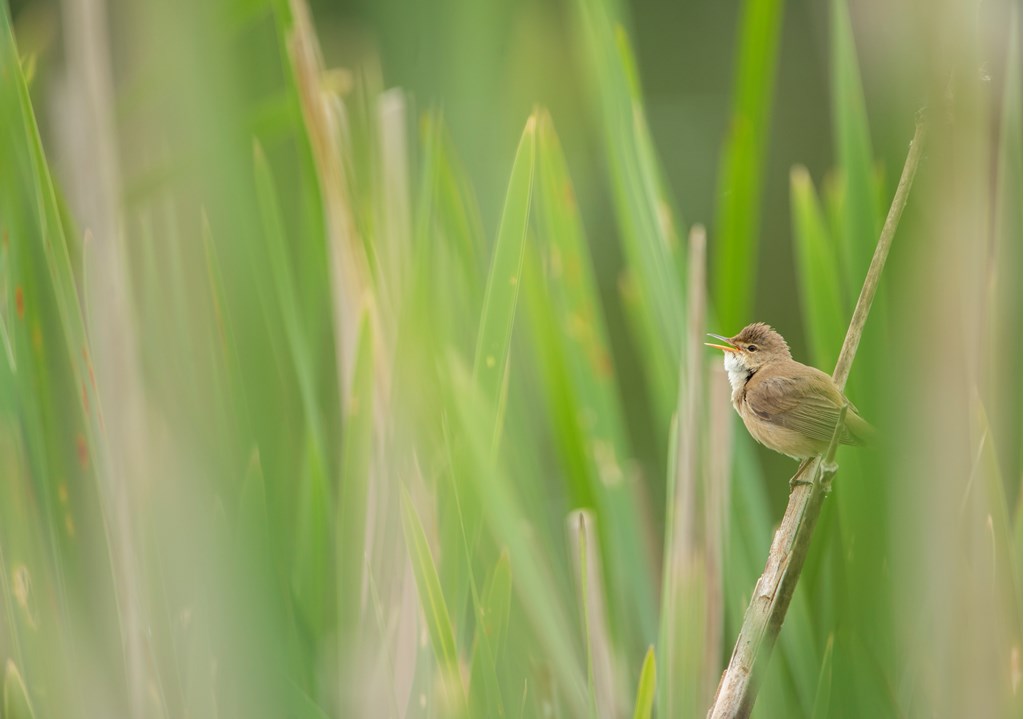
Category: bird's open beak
[727,347]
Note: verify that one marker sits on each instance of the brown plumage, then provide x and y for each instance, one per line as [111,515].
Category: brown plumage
[785,405]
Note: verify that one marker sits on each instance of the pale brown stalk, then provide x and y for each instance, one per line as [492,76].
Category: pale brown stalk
[355,297]
[94,190]
[685,565]
[351,283]
[762,622]
[581,529]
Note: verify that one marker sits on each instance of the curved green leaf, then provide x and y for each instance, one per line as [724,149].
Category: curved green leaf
[646,688]
[435,609]
[490,361]
[740,168]
[861,217]
[817,271]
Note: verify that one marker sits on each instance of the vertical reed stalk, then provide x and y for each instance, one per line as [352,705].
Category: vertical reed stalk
[762,622]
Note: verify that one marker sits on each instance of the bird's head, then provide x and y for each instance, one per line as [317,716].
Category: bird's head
[755,346]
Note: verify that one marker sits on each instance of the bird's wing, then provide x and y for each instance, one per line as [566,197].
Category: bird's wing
[806,403]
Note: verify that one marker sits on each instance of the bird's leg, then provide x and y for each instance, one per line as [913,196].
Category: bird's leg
[827,464]
[827,472]
[797,480]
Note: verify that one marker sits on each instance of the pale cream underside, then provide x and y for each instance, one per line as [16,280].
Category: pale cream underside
[792,440]
[736,370]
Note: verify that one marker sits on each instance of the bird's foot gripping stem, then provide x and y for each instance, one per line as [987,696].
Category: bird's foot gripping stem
[827,466]
[812,472]
[801,475]
[825,475]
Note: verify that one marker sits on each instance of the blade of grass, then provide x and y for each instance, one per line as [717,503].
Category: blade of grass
[485,694]
[824,693]
[860,219]
[7,302]
[503,517]
[641,205]
[741,165]
[558,381]
[252,524]
[491,630]
[447,268]
[17,704]
[285,292]
[669,590]
[1017,547]
[356,452]
[351,280]
[599,435]
[646,687]
[381,626]
[490,361]
[584,590]
[311,565]
[686,612]
[1002,382]
[230,389]
[860,212]
[432,601]
[657,253]
[393,210]
[443,302]
[33,630]
[303,705]
[312,582]
[818,270]
[497,602]
[457,205]
[56,394]
[1006,574]
[605,699]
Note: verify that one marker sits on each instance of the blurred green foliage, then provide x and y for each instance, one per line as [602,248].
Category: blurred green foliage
[299,421]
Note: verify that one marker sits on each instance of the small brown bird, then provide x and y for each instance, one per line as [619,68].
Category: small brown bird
[787,406]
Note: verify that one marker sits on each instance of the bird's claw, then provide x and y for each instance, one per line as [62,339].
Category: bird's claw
[823,475]
[797,480]
[828,471]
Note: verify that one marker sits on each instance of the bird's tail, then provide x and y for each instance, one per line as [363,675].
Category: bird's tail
[857,428]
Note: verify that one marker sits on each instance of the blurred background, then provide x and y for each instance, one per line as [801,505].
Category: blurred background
[352,354]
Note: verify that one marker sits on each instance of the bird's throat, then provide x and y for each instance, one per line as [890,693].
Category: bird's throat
[737,370]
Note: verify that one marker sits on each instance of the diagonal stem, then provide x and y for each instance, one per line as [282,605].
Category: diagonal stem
[762,622]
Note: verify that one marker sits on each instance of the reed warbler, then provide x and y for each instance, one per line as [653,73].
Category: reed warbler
[786,406]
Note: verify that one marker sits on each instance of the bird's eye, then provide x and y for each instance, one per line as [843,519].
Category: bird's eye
[752,348]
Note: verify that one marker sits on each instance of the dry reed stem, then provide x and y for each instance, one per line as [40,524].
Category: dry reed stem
[716,501]
[351,282]
[762,622]
[581,528]
[690,403]
[120,403]
[354,296]
[685,549]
